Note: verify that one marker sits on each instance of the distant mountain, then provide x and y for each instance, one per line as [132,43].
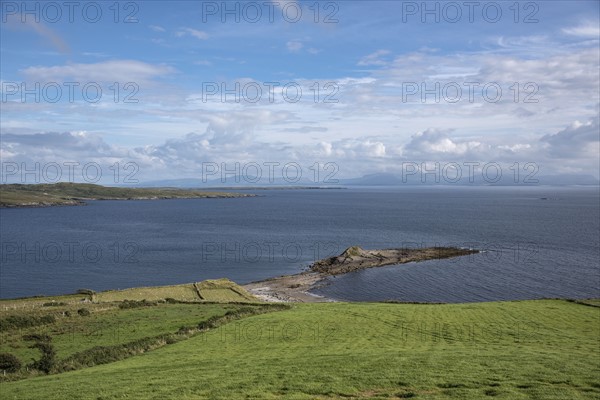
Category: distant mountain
[569,180]
[384,179]
[230,182]
[381,179]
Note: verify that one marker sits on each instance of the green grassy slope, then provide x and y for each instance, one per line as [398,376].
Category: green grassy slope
[212,290]
[107,325]
[218,290]
[223,290]
[545,349]
[184,292]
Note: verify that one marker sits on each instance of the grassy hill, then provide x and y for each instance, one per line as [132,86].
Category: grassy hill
[106,325]
[545,349]
[213,290]
[217,290]
[17,195]
[88,328]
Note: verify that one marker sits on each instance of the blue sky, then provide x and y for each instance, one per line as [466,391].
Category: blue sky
[367,55]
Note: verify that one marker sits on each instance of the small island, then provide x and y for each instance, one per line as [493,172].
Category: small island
[296,288]
[76,194]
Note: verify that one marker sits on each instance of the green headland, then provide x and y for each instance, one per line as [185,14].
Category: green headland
[68,194]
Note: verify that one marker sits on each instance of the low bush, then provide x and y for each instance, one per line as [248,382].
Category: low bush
[25,321]
[48,360]
[37,337]
[86,291]
[42,342]
[136,304]
[84,312]
[54,304]
[9,363]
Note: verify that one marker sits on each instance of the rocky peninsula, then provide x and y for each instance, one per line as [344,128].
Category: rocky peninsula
[296,288]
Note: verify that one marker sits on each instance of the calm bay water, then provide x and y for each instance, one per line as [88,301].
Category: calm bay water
[539,242]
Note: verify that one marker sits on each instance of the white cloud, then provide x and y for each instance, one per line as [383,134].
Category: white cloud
[370,129]
[157,28]
[434,141]
[76,146]
[361,148]
[107,71]
[234,137]
[587,29]
[294,46]
[201,35]
[375,58]
[95,54]
[576,140]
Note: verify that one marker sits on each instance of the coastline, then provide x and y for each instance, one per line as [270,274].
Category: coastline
[297,288]
[77,194]
[82,202]
[289,288]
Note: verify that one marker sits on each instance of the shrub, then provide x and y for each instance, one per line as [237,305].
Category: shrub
[54,304]
[86,291]
[212,322]
[48,359]
[135,304]
[25,321]
[184,330]
[98,355]
[42,342]
[38,337]
[171,340]
[84,312]
[106,354]
[9,362]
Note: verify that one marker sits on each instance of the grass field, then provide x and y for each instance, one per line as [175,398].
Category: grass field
[217,290]
[212,290]
[185,292]
[223,290]
[37,302]
[87,329]
[107,326]
[545,349]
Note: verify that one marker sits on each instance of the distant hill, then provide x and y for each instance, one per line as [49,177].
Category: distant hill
[381,179]
[386,179]
[58,194]
[237,182]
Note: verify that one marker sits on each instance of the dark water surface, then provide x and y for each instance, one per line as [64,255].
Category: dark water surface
[540,242]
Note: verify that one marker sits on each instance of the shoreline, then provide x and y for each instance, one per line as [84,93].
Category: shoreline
[289,288]
[297,288]
[83,202]
[78,194]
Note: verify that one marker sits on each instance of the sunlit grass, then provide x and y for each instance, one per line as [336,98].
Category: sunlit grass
[544,349]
